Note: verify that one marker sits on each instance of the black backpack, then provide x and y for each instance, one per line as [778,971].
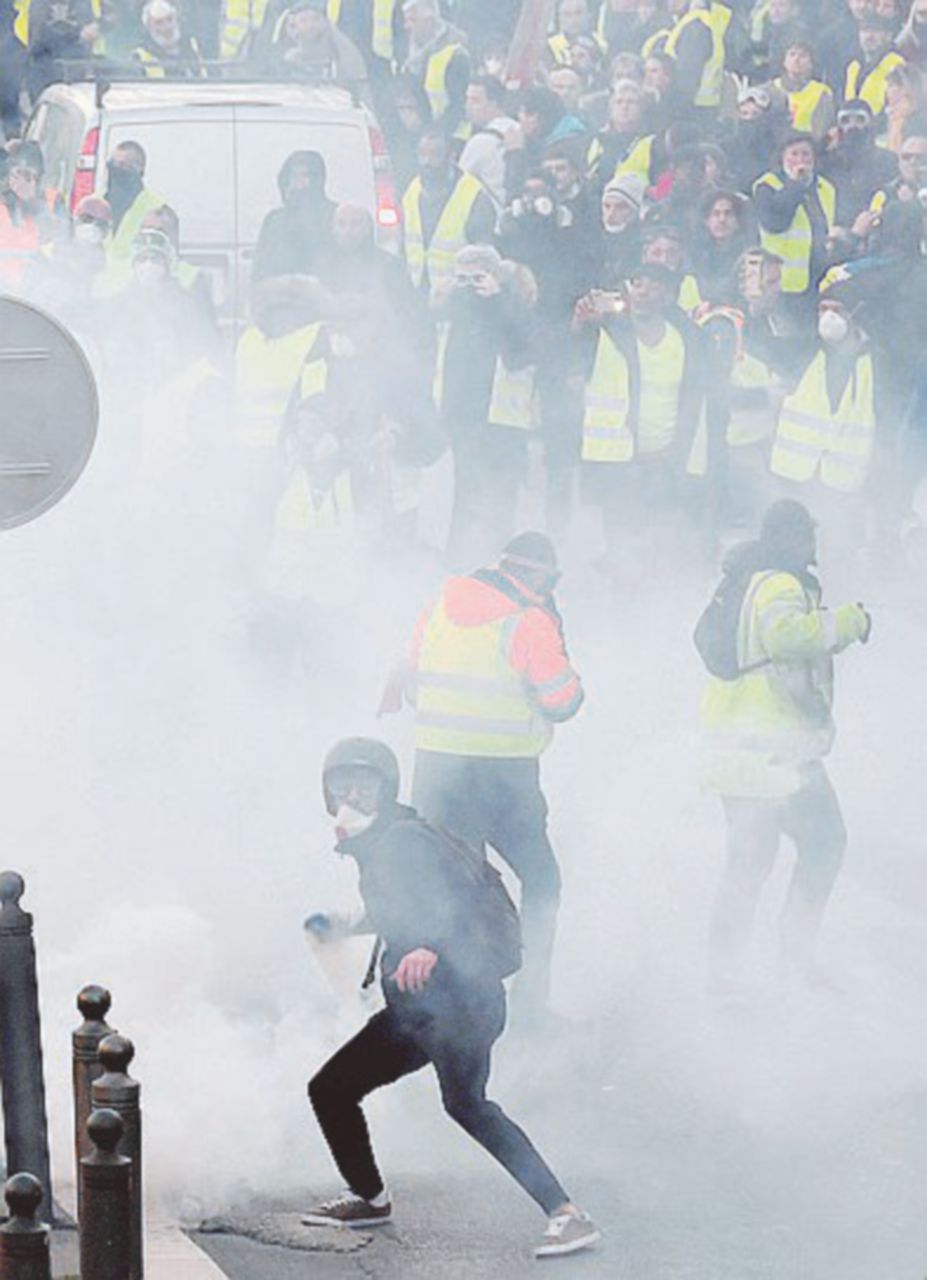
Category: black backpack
[716,631]
[494,926]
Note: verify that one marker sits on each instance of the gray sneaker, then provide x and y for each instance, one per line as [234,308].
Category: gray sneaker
[567,1232]
[347,1210]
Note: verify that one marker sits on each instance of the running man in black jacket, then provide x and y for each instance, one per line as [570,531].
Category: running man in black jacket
[443,1005]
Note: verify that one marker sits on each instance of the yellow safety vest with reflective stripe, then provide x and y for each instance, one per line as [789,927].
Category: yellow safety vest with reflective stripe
[469,701]
[762,730]
[382,39]
[21,23]
[746,426]
[561,46]
[154,68]
[607,401]
[449,237]
[803,103]
[436,78]
[661,372]
[267,371]
[872,86]
[717,19]
[793,245]
[122,242]
[514,400]
[241,17]
[813,440]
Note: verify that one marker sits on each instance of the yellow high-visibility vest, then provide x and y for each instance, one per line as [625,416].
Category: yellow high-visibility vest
[607,401]
[639,159]
[746,426]
[793,245]
[152,65]
[803,103]
[656,43]
[303,509]
[762,730]
[561,46]
[450,235]
[661,370]
[267,371]
[813,440]
[690,295]
[21,23]
[469,701]
[240,18]
[716,18]
[121,243]
[871,86]
[513,402]
[382,39]
[436,78]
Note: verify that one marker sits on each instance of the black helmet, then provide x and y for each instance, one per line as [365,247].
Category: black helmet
[531,551]
[362,753]
[784,519]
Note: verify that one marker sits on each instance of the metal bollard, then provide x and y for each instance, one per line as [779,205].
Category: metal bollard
[24,1243]
[93,1003]
[22,1081]
[106,1197]
[115,1090]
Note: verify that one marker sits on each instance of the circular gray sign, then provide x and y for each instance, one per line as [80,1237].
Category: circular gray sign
[49,412]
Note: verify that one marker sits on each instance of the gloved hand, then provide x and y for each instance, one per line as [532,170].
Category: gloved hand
[853,623]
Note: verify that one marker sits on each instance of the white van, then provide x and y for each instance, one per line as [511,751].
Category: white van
[214,151]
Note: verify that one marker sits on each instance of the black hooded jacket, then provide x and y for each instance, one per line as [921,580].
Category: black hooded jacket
[413,899]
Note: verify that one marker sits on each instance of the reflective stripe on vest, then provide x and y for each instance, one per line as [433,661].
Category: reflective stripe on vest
[469,701]
[872,86]
[793,245]
[266,372]
[803,103]
[450,235]
[240,19]
[436,79]
[155,69]
[382,38]
[606,434]
[716,19]
[661,371]
[513,401]
[813,439]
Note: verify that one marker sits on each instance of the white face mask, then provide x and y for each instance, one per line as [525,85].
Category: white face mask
[350,822]
[150,274]
[833,327]
[88,233]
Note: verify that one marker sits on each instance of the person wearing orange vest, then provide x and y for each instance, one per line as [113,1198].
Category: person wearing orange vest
[491,678]
[29,217]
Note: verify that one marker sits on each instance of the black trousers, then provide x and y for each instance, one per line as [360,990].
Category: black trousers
[811,818]
[391,1046]
[500,803]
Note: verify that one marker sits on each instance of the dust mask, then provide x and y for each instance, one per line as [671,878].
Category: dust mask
[350,822]
[833,327]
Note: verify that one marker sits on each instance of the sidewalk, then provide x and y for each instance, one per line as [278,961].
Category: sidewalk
[169,1253]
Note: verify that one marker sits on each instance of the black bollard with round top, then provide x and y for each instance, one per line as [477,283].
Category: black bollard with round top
[22,1080]
[106,1200]
[25,1252]
[115,1090]
[93,1004]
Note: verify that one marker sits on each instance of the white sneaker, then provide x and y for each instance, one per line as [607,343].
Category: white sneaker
[347,1210]
[568,1232]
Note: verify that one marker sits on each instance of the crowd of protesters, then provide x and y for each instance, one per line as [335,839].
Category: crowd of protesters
[680,259]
